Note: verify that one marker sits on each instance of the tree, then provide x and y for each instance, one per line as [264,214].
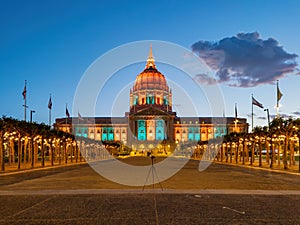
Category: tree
[2,153]
[285,128]
[260,134]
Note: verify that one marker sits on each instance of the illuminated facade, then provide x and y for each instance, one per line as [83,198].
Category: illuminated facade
[150,119]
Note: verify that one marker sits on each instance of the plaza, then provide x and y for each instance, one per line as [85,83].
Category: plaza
[222,194]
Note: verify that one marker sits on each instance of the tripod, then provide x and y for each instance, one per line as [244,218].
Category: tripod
[153,171]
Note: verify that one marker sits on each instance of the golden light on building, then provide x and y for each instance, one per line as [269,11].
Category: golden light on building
[151,119]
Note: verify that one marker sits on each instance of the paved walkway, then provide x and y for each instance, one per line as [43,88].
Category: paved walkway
[216,177]
[276,168]
[9,169]
[27,166]
[222,194]
[152,209]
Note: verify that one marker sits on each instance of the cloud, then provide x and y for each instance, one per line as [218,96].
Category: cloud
[297,113]
[249,115]
[245,60]
[262,118]
[286,116]
[205,79]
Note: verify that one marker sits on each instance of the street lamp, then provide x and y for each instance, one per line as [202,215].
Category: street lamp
[268,116]
[31,111]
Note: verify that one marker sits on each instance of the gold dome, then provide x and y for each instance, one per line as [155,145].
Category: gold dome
[150,78]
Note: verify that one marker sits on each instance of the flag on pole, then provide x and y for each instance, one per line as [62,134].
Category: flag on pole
[67,113]
[235,110]
[257,103]
[50,103]
[235,120]
[24,91]
[279,94]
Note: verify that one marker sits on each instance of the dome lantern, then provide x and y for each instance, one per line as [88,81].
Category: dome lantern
[150,60]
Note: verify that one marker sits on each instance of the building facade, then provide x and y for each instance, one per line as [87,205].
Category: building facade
[151,119]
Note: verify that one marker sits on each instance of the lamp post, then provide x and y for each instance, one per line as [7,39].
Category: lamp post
[31,111]
[268,116]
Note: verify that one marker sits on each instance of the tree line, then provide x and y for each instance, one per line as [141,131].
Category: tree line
[275,144]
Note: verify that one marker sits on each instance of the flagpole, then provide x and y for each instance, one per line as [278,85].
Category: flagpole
[66,115]
[50,107]
[25,97]
[50,117]
[235,121]
[277,105]
[25,106]
[252,111]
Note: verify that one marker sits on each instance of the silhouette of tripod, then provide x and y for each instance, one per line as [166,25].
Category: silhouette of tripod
[152,171]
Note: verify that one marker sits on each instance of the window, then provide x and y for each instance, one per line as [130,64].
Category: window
[141,123]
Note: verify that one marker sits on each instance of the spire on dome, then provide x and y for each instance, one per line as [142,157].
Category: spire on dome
[150,60]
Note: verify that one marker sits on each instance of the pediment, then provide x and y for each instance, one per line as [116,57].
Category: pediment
[150,111]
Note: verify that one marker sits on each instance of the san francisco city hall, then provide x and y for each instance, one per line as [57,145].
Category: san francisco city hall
[150,119]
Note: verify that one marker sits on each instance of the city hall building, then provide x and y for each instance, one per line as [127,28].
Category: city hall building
[151,119]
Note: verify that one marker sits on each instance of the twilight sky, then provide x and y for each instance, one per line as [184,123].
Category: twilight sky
[247,44]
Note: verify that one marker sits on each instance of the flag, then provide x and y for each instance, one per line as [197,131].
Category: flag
[50,103]
[24,91]
[236,115]
[235,110]
[279,94]
[67,113]
[79,116]
[257,103]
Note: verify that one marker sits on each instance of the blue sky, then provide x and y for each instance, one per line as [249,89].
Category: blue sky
[52,43]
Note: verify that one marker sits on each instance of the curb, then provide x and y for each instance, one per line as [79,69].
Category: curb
[196,193]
